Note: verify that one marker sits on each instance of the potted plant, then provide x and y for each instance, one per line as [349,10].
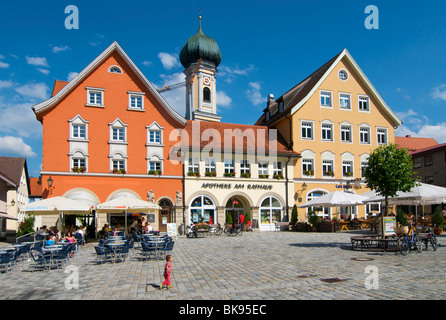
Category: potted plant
[401,220]
[437,221]
[193,174]
[313,219]
[294,217]
[326,225]
[245,175]
[229,220]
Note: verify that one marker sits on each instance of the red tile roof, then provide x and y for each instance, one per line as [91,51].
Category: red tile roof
[260,137]
[35,187]
[413,144]
[58,85]
[436,148]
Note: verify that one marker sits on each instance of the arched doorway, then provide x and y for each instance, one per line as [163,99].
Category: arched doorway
[324,212]
[165,215]
[270,213]
[234,207]
[202,209]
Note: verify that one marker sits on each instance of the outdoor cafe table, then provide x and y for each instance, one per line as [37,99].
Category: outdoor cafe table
[344,225]
[114,246]
[158,246]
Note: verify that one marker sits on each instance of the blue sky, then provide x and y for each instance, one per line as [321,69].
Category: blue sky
[267,47]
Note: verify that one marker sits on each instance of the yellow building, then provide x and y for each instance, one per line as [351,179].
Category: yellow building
[334,118]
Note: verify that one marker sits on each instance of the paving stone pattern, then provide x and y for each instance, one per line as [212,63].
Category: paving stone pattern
[254,266]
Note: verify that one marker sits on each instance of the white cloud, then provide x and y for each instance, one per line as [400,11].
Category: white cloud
[254,94]
[147,63]
[228,74]
[176,98]
[57,49]
[71,75]
[15,146]
[6,84]
[426,131]
[439,92]
[44,71]
[4,65]
[19,119]
[168,60]
[37,61]
[34,90]
[223,100]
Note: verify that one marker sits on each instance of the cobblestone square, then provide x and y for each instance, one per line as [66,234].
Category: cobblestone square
[254,266]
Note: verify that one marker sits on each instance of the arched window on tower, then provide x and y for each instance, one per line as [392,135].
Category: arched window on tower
[207,94]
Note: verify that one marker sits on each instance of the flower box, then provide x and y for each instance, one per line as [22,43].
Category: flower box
[193,174]
[326,226]
[308,172]
[154,172]
[263,176]
[229,174]
[210,174]
[348,174]
[328,174]
[245,175]
[118,171]
[278,176]
[79,169]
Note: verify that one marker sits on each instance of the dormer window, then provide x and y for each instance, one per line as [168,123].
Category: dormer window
[115,69]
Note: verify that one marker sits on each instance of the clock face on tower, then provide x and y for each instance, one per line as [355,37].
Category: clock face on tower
[206,80]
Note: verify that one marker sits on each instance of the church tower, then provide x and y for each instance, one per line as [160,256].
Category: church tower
[200,57]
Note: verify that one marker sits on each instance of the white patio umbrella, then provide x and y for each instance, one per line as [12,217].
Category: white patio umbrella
[55,206]
[335,199]
[126,204]
[421,194]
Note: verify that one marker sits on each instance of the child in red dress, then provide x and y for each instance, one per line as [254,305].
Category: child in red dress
[167,272]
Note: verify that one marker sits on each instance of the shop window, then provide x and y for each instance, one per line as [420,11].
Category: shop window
[270,212]
[202,209]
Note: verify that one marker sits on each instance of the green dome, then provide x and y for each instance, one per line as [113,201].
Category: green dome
[200,46]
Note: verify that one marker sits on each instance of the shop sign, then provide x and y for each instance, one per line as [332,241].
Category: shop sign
[237,186]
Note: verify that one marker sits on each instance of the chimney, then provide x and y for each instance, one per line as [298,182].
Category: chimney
[408,136]
[270,99]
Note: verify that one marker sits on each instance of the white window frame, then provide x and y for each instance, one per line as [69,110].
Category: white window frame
[381,132]
[193,165]
[345,96]
[95,91]
[327,165]
[115,66]
[118,161]
[361,135]
[155,136]
[362,98]
[118,124]
[307,165]
[350,128]
[77,131]
[245,166]
[263,167]
[156,166]
[209,165]
[229,166]
[78,121]
[326,127]
[136,95]
[347,164]
[325,93]
[277,168]
[309,125]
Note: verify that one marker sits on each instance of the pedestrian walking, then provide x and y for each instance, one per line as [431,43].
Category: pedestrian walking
[167,272]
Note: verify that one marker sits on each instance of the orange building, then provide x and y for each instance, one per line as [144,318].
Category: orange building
[105,134]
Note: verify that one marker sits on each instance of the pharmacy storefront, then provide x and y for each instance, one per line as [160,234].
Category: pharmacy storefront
[212,200]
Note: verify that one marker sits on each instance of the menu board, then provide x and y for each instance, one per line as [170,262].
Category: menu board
[389,223]
[172,229]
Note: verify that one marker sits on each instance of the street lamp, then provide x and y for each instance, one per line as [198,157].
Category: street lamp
[299,192]
[50,185]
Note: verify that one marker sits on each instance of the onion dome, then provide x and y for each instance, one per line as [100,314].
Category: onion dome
[200,46]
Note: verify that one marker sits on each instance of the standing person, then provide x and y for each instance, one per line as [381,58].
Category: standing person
[167,272]
[444,212]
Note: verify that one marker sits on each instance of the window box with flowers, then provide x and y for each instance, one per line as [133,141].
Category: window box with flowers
[193,174]
[347,174]
[118,171]
[308,172]
[328,174]
[79,169]
[210,174]
[263,176]
[278,176]
[245,175]
[154,172]
[229,174]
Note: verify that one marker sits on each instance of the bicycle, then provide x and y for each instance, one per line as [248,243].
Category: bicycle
[218,230]
[430,237]
[409,241]
[235,229]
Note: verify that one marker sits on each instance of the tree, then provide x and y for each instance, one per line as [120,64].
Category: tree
[388,171]
[294,217]
[27,226]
